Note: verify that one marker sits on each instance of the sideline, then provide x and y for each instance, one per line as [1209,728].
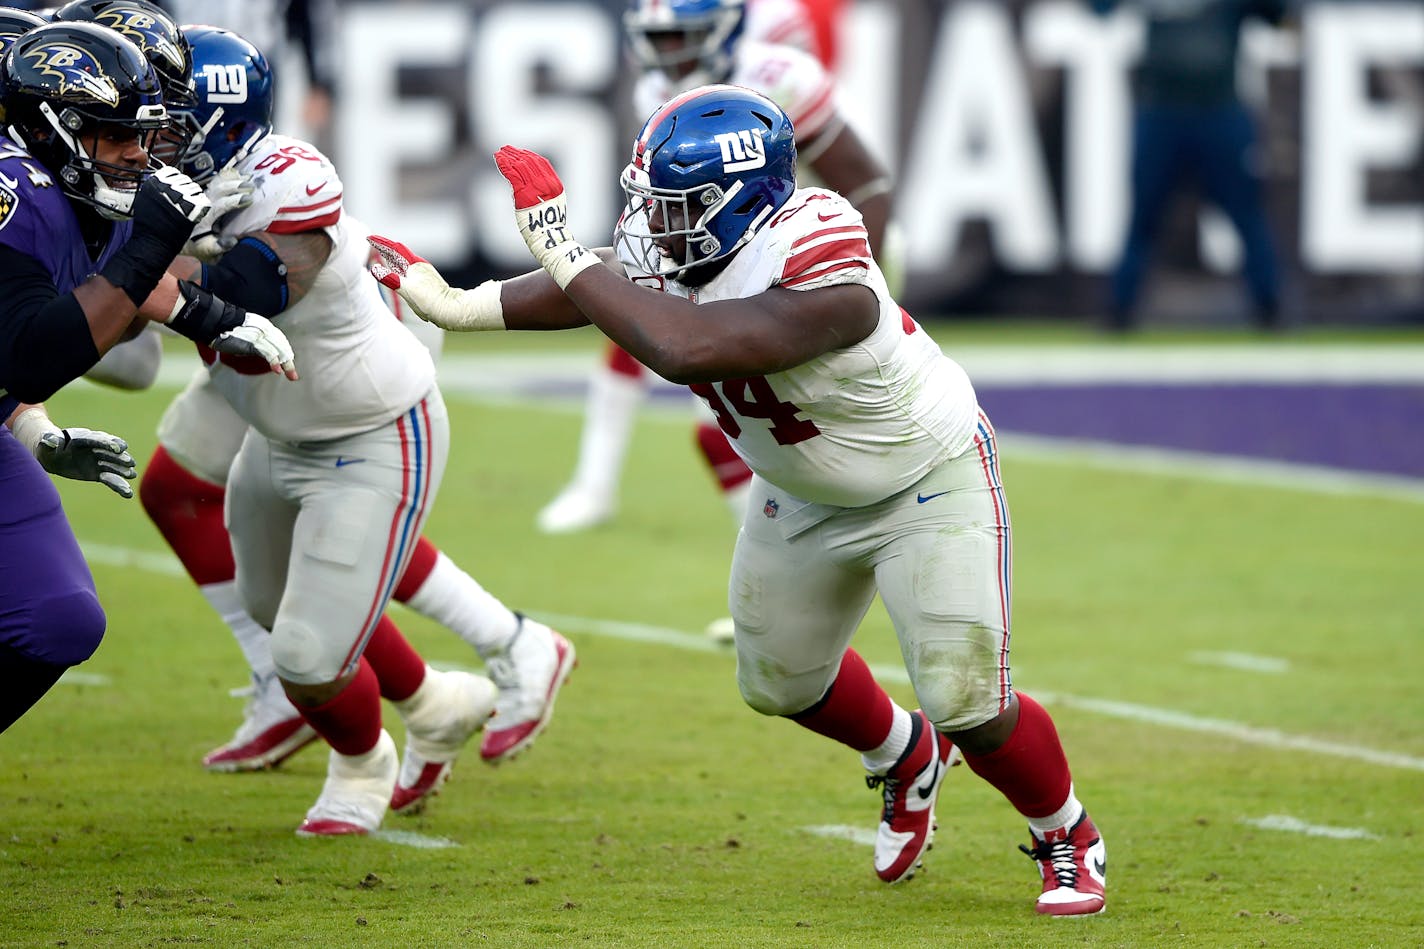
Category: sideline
[167,565]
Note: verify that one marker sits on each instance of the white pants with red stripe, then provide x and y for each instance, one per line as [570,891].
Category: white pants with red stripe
[201,430]
[939,555]
[322,531]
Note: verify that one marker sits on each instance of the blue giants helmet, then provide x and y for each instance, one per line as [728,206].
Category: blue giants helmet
[235,95]
[690,40]
[711,166]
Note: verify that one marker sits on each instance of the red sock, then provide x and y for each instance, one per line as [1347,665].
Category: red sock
[397,666]
[351,722]
[620,363]
[855,710]
[422,561]
[188,512]
[1030,768]
[727,466]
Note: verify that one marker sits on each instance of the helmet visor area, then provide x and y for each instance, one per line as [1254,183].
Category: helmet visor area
[666,230]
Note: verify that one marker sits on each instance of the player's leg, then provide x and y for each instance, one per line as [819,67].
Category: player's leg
[945,578]
[1231,177]
[796,604]
[615,391]
[50,617]
[182,491]
[1156,168]
[527,660]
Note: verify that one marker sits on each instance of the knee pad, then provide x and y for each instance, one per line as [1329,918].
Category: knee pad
[959,682]
[300,656]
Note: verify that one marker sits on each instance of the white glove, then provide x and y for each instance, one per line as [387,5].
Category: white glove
[257,336]
[78,453]
[229,191]
[433,300]
[541,211]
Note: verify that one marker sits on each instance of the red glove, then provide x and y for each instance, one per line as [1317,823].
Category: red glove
[392,260]
[530,174]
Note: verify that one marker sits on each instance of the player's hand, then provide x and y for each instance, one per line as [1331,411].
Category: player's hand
[541,211]
[87,455]
[429,295]
[168,204]
[229,191]
[257,336]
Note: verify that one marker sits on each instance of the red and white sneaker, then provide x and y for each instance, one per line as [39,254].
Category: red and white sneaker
[442,715]
[910,788]
[1074,865]
[272,730]
[529,672]
[353,799]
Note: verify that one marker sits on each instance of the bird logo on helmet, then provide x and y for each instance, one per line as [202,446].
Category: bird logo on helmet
[708,171]
[76,71]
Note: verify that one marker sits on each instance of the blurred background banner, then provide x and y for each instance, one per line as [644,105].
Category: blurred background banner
[1008,125]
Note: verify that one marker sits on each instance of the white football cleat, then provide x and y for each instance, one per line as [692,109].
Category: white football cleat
[529,672]
[440,717]
[358,788]
[272,730]
[576,508]
[1074,865]
[721,630]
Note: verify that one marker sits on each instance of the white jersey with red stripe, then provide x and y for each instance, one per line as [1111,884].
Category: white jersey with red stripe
[854,425]
[360,368]
[793,79]
[780,23]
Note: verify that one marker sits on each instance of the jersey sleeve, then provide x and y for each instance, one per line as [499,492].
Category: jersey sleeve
[296,189]
[828,243]
[794,80]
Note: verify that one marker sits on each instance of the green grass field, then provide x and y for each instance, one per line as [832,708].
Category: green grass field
[1240,807]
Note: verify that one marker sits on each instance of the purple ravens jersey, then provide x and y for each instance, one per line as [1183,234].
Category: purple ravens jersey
[37,220]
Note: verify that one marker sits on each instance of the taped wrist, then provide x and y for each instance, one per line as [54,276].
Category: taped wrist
[250,275]
[30,426]
[202,317]
[544,228]
[139,264]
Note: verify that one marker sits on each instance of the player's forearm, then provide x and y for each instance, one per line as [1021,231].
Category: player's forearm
[533,301]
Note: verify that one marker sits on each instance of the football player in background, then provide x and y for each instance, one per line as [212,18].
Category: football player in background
[88,227]
[292,248]
[678,45]
[875,469]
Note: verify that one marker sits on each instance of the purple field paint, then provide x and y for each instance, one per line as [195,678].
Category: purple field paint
[1374,428]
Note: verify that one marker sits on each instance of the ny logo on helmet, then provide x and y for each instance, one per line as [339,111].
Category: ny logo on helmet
[741,151]
[226,83]
[77,71]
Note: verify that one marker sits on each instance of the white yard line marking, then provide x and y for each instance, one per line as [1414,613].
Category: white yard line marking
[680,639]
[1295,825]
[856,835]
[408,838]
[75,677]
[1241,660]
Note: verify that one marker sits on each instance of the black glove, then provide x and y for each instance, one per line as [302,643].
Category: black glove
[204,317]
[165,210]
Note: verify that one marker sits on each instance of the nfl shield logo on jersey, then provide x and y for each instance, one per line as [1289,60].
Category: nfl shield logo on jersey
[770,507]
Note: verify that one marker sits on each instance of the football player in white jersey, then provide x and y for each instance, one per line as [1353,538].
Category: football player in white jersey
[876,471]
[329,487]
[680,44]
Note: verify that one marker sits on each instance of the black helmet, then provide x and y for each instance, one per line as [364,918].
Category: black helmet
[63,82]
[14,24]
[153,31]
